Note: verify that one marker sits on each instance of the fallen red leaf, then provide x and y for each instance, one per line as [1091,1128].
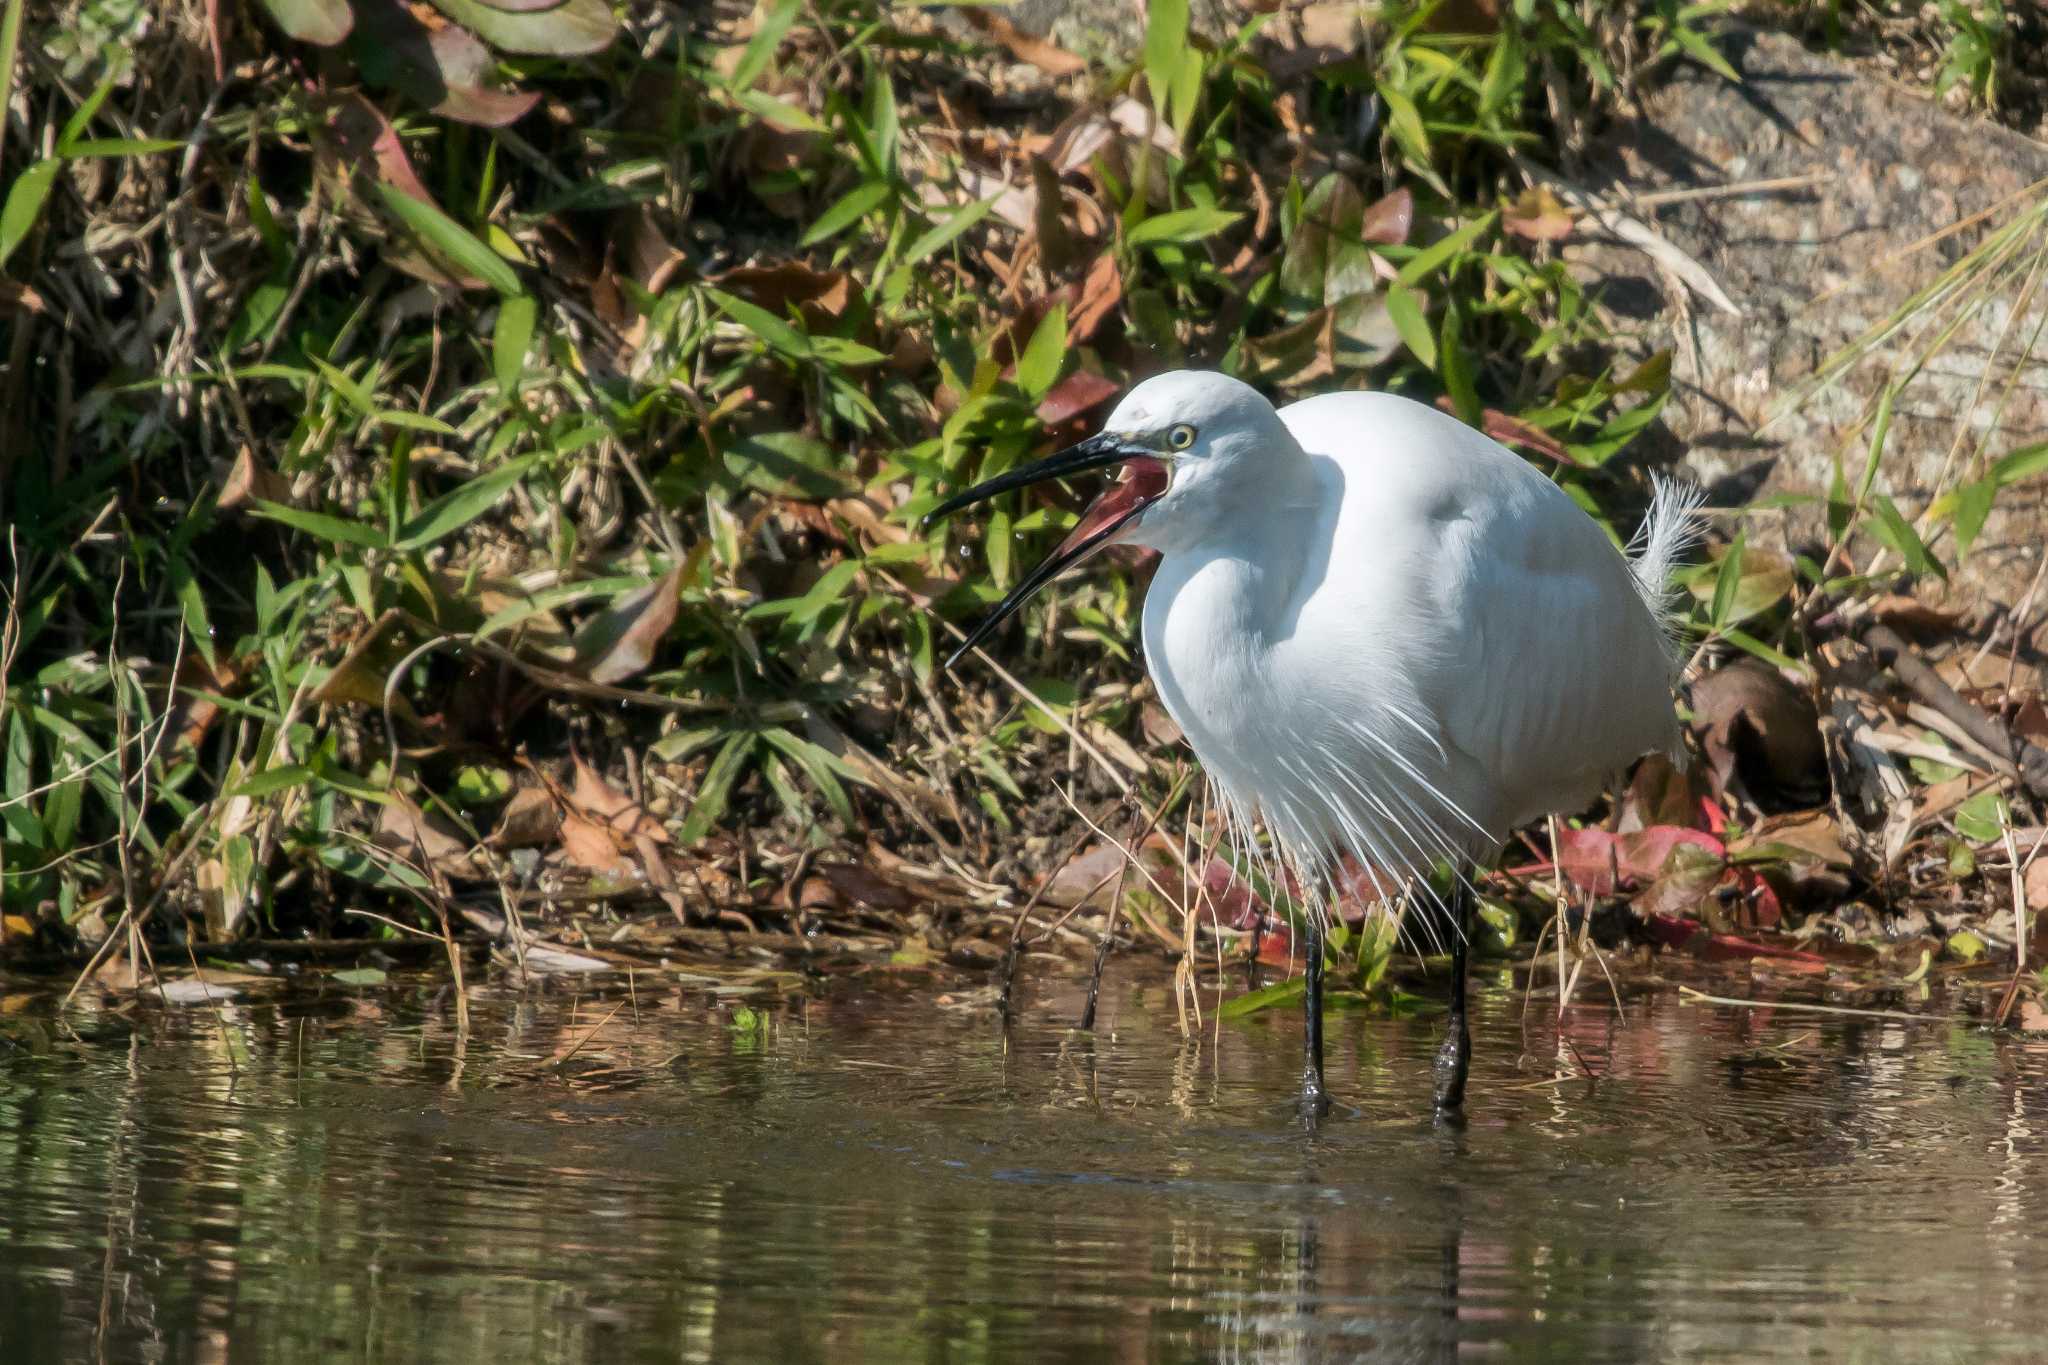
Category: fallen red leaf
[1073,396]
[1600,863]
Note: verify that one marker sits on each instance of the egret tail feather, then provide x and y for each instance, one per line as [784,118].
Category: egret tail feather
[1668,534]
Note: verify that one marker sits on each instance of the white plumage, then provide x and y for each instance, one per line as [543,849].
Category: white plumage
[1383,633]
[1401,641]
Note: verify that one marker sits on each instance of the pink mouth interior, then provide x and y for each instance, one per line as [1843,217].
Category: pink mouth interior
[1143,481]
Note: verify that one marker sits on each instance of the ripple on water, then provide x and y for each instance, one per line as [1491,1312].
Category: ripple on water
[868,1175]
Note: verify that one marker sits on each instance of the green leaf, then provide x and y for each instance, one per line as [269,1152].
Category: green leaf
[1182,226]
[412,421]
[1166,40]
[1972,509]
[1880,428]
[787,464]
[573,28]
[853,206]
[25,204]
[1983,818]
[1286,992]
[511,339]
[1456,371]
[2023,463]
[878,110]
[1427,260]
[946,229]
[125,146]
[763,324]
[1404,121]
[1895,533]
[273,780]
[1406,311]
[319,524]
[320,22]
[1039,367]
[1700,50]
[824,770]
[1727,581]
[768,31]
[453,511]
[359,976]
[716,788]
[450,239]
[780,113]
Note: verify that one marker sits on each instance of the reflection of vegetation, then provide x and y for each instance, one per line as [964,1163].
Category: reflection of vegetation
[892,1188]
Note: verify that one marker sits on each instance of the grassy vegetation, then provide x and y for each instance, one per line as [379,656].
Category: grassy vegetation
[382,425]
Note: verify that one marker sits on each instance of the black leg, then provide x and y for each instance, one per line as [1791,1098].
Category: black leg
[1454,1058]
[1315,1100]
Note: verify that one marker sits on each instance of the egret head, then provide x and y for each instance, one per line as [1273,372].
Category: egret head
[1189,444]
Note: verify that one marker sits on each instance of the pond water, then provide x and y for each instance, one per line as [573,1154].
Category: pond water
[880,1175]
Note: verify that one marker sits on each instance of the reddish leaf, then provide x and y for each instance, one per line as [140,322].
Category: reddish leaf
[364,139]
[1389,219]
[1513,431]
[1074,395]
[1538,215]
[1593,858]
[439,64]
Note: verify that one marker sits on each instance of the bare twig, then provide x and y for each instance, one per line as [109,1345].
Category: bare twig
[2028,759]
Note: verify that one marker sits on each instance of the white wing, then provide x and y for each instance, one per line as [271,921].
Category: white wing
[1483,602]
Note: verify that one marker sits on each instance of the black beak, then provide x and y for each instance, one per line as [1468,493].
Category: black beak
[1097,528]
[1097,452]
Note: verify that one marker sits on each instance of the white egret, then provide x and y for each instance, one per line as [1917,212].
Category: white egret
[1385,635]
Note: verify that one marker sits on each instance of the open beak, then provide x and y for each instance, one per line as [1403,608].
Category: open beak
[1144,481]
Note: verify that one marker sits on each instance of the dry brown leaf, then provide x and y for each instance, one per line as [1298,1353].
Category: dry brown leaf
[1814,832]
[530,819]
[1659,793]
[193,712]
[655,866]
[820,296]
[1057,247]
[864,886]
[248,479]
[1389,219]
[1160,728]
[1102,289]
[589,844]
[1050,58]
[16,297]
[600,802]
[1755,726]
[2036,885]
[619,642]
[429,841]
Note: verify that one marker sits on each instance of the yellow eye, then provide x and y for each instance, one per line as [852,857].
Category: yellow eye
[1181,437]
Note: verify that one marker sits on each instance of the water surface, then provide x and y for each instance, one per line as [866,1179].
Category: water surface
[880,1175]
